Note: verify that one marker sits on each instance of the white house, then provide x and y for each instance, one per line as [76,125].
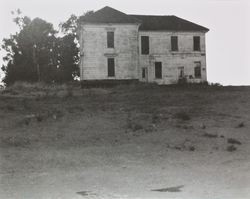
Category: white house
[161,49]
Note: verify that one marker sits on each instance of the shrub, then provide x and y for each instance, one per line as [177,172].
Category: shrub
[231,148]
[233,141]
[39,117]
[191,148]
[155,118]
[182,116]
[215,84]
[137,127]
[10,108]
[240,125]
[210,135]
[134,126]
[182,81]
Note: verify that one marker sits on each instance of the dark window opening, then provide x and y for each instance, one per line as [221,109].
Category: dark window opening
[110,39]
[197,43]
[174,43]
[197,70]
[111,67]
[144,45]
[158,70]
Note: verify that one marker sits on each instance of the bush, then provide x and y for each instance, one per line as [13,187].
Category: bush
[182,116]
[134,126]
[215,84]
[233,141]
[39,118]
[231,148]
[210,135]
[10,108]
[182,81]
[240,125]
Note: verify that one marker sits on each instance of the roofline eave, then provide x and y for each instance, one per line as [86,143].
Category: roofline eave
[109,23]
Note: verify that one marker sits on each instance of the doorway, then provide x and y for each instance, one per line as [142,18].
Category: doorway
[144,74]
[181,74]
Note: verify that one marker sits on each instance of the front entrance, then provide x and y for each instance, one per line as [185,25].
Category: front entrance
[144,74]
[181,72]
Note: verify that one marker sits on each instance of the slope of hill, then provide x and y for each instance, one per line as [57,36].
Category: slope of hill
[137,141]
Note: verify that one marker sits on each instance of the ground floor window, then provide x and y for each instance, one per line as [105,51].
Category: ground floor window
[111,67]
[158,70]
[197,70]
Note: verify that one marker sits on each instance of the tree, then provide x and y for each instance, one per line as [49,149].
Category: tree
[29,50]
[35,53]
[73,23]
[67,59]
[70,54]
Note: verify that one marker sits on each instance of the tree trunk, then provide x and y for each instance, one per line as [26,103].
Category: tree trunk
[36,64]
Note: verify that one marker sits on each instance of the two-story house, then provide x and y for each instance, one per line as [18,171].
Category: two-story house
[161,49]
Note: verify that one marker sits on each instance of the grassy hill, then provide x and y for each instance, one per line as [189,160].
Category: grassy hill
[123,142]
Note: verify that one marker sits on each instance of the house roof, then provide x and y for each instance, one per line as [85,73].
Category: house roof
[109,15]
[173,23]
[148,22]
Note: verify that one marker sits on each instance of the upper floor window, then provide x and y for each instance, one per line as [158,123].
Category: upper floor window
[174,43]
[110,39]
[144,45]
[197,43]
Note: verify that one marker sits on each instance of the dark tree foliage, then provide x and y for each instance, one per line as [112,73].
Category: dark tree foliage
[70,54]
[71,26]
[35,53]
[68,58]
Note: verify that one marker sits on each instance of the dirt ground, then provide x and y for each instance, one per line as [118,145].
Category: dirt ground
[127,142]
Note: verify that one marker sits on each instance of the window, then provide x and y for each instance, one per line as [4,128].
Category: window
[110,39]
[174,43]
[197,70]
[144,45]
[197,43]
[111,67]
[158,70]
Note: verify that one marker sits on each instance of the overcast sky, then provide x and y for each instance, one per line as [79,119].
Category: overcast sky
[228,41]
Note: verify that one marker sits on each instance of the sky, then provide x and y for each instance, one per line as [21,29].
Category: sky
[227,42]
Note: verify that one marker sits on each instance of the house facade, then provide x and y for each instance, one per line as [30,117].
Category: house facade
[161,49]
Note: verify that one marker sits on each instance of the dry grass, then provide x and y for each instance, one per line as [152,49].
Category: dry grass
[39,90]
[136,108]
[136,132]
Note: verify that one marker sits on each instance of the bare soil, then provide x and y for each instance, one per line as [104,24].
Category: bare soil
[128,142]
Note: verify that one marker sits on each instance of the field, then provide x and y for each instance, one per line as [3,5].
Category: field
[128,142]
